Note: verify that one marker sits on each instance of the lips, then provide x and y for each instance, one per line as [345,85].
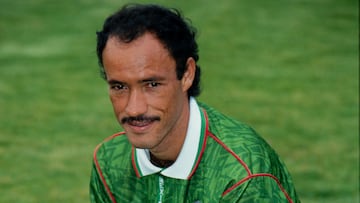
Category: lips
[139,124]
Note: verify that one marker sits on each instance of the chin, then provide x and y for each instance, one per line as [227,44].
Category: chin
[140,143]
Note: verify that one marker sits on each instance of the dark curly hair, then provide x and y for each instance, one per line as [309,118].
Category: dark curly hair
[168,25]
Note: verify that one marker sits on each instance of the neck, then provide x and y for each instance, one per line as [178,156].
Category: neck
[170,147]
[160,163]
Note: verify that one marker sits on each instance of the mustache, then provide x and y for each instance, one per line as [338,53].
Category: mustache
[140,118]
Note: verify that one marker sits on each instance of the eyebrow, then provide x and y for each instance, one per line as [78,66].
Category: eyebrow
[112,82]
[150,79]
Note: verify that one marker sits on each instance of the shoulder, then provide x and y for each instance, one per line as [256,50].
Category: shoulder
[244,156]
[224,125]
[111,147]
[242,142]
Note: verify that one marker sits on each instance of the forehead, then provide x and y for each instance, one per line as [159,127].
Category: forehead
[146,53]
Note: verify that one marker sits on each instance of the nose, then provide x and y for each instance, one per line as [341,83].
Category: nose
[136,104]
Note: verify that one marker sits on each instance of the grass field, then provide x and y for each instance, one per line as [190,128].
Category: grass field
[288,68]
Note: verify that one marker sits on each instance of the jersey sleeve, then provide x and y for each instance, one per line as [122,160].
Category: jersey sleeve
[259,189]
[98,193]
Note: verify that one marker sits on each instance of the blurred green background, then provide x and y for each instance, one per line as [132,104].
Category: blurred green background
[288,68]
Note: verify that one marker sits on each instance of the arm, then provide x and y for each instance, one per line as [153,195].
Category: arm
[98,193]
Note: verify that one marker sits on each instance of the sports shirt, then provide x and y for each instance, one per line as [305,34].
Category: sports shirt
[221,160]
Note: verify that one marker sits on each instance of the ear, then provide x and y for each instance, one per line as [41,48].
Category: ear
[189,74]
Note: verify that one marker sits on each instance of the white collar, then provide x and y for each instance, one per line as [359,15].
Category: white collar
[189,155]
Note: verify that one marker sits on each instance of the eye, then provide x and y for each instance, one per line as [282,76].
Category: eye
[153,84]
[117,87]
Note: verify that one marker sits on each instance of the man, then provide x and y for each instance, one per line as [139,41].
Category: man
[173,149]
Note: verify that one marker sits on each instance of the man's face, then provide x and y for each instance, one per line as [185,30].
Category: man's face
[149,101]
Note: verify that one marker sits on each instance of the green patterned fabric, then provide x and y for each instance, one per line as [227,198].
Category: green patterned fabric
[236,165]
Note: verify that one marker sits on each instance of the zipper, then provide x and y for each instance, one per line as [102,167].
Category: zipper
[161,189]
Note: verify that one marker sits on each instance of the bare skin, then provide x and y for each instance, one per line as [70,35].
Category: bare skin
[149,101]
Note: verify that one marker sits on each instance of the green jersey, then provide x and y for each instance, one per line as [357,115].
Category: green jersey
[221,160]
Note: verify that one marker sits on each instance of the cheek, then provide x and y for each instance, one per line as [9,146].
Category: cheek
[163,100]
[118,105]
[170,106]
